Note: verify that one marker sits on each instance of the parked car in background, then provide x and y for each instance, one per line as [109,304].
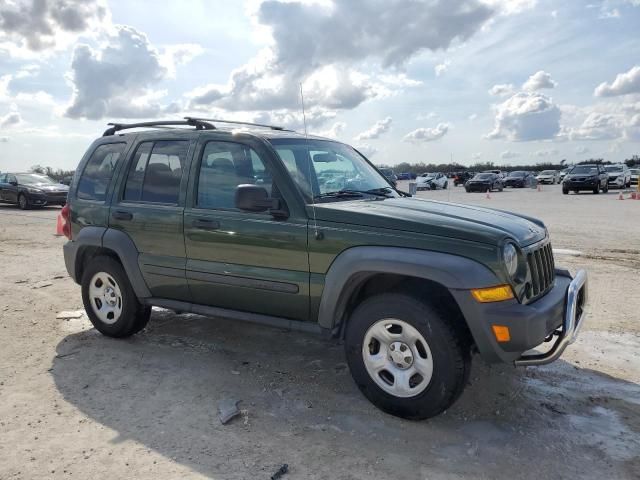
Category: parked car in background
[550,177]
[31,190]
[586,177]
[483,182]
[619,175]
[500,173]
[389,175]
[404,176]
[432,181]
[635,172]
[520,179]
[67,180]
[563,173]
[460,178]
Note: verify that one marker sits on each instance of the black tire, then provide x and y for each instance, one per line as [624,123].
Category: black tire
[449,348]
[596,190]
[467,190]
[565,191]
[23,202]
[133,317]
[605,189]
[445,185]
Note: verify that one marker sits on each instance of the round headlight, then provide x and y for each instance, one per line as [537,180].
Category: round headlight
[510,257]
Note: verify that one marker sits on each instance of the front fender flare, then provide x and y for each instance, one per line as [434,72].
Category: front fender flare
[355,265]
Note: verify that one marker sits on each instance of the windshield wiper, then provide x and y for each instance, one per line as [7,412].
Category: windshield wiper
[346,193]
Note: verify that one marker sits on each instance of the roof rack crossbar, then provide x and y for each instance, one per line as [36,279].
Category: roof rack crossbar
[237,122]
[192,122]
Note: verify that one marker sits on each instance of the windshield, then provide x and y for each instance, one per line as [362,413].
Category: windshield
[584,170]
[517,174]
[321,168]
[548,172]
[635,171]
[483,176]
[33,179]
[613,168]
[428,175]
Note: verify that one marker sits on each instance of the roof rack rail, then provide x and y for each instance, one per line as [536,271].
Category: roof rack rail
[236,122]
[192,122]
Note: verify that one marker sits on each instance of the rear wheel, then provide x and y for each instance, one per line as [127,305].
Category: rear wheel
[405,357]
[23,203]
[109,299]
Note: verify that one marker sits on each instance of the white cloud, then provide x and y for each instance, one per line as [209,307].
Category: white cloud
[380,127]
[545,153]
[322,45]
[442,67]
[115,81]
[472,117]
[526,116]
[427,134]
[333,132]
[624,84]
[538,81]
[632,129]
[39,25]
[581,149]
[476,156]
[367,150]
[502,90]
[598,126]
[10,120]
[511,7]
[176,55]
[508,155]
[4,139]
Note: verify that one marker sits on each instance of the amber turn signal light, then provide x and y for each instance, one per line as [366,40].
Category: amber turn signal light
[501,332]
[492,294]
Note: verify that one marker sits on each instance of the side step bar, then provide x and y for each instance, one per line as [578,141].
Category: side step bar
[257,318]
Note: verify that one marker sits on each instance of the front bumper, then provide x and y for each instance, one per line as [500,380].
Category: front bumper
[478,187]
[559,312]
[514,183]
[548,181]
[581,185]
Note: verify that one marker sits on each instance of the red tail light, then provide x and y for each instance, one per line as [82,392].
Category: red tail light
[66,228]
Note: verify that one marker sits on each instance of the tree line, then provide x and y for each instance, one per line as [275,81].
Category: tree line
[421,167]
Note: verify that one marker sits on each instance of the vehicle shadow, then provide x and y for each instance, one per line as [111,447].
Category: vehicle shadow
[161,388]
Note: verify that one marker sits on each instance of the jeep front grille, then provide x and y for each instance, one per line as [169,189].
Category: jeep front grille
[542,270]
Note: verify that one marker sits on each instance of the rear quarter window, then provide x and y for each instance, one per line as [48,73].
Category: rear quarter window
[98,172]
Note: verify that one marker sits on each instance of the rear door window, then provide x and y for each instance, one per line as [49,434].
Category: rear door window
[156,172]
[96,177]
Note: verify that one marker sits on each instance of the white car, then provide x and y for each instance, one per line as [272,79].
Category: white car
[619,175]
[432,181]
[549,176]
[563,173]
[635,173]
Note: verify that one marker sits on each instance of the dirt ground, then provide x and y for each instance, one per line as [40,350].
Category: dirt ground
[75,404]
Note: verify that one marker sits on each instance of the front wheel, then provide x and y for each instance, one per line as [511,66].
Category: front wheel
[596,190]
[23,203]
[109,299]
[446,184]
[565,191]
[405,357]
[605,189]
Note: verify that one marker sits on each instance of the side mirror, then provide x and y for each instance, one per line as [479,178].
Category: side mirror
[254,198]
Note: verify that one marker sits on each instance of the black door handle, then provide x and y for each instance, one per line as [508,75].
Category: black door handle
[206,224]
[120,215]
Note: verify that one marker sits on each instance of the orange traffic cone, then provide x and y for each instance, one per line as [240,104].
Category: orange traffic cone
[59,231]
[620,197]
[489,194]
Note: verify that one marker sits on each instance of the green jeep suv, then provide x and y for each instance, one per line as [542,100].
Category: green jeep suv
[258,223]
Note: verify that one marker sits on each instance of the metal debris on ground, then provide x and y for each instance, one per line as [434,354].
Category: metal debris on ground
[69,314]
[227,409]
[281,471]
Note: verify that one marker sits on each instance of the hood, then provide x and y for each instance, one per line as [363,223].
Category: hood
[47,187]
[430,217]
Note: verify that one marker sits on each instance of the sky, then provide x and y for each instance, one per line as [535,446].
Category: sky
[504,81]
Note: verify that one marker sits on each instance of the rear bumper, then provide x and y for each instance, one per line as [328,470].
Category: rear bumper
[70,251]
[560,311]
